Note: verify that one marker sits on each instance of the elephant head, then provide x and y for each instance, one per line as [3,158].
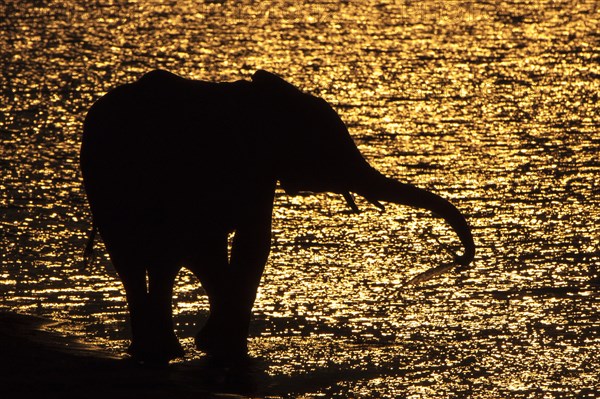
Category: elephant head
[323,157]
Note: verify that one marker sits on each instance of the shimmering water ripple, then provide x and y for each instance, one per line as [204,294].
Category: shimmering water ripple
[492,104]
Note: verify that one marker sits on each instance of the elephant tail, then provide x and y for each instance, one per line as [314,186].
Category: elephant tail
[88,252]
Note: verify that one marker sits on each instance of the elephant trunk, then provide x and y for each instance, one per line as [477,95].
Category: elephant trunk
[380,188]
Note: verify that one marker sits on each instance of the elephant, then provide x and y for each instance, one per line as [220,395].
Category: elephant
[173,166]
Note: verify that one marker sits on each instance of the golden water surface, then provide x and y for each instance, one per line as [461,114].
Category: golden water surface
[493,105]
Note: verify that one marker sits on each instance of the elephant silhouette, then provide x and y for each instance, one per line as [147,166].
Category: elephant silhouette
[172,166]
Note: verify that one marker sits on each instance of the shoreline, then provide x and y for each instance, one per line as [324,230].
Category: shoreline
[35,362]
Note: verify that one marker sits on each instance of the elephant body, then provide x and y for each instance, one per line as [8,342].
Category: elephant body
[172,166]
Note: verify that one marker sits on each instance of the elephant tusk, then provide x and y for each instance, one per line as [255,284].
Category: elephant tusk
[350,201]
[88,253]
[377,204]
[352,204]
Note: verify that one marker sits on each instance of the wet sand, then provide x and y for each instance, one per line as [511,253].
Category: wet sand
[37,362]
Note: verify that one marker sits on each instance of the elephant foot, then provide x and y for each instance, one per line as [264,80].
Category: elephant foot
[222,344]
[155,352]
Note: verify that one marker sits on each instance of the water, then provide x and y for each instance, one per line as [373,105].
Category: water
[492,105]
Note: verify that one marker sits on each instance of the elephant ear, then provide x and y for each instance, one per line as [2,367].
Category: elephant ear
[273,83]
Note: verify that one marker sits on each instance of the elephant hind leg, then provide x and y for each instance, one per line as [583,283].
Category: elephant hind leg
[133,277]
[163,344]
[149,292]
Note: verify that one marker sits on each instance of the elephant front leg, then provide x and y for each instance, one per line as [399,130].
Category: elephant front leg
[232,290]
[225,331]
[211,267]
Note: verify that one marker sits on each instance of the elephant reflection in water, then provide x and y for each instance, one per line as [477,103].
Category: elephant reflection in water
[172,166]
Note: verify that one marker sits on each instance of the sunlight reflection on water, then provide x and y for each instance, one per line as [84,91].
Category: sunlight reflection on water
[492,105]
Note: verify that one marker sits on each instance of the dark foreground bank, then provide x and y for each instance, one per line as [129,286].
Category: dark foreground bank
[35,362]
